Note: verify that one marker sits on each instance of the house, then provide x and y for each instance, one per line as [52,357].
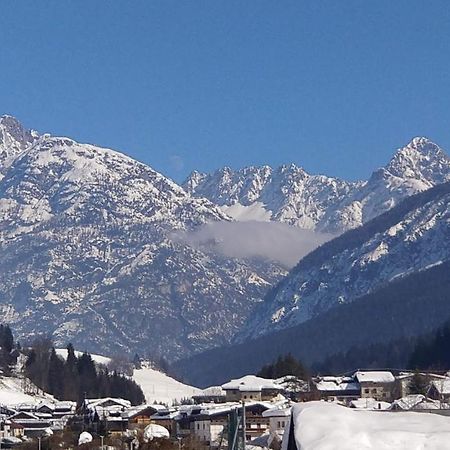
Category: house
[278,421]
[213,394]
[414,402]
[251,388]
[10,429]
[33,425]
[99,408]
[140,416]
[440,390]
[166,418]
[205,424]
[378,385]
[342,389]
[403,380]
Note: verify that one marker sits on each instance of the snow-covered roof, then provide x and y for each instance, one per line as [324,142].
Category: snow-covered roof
[442,386]
[369,403]
[212,391]
[415,401]
[99,402]
[330,384]
[374,376]
[135,410]
[277,412]
[251,383]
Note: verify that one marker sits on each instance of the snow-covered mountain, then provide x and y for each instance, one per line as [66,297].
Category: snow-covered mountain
[291,195]
[413,236]
[88,255]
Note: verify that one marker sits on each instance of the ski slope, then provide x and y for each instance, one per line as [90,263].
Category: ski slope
[161,388]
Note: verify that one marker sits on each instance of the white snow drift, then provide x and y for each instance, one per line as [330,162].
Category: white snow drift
[326,426]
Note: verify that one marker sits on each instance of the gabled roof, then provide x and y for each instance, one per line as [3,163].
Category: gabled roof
[100,402]
[415,401]
[442,386]
[136,410]
[24,415]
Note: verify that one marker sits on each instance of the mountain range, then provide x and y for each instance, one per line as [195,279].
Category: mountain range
[94,249]
[289,194]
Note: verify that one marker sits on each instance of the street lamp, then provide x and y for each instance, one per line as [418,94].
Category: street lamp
[101,438]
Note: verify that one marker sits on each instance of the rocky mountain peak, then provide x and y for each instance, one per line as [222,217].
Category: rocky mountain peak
[14,138]
[421,159]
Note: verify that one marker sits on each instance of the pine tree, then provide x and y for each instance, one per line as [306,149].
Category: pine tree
[418,384]
[56,378]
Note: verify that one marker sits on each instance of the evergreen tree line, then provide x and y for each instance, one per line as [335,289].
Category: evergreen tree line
[76,378]
[427,352]
[8,356]
[284,365]
[432,352]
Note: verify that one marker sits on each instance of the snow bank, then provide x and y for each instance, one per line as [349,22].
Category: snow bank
[327,426]
[159,387]
[154,431]
[84,438]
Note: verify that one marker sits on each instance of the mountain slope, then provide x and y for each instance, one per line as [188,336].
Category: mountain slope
[410,237]
[395,311]
[88,255]
[291,195]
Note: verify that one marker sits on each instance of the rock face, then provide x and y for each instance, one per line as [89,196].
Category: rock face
[291,195]
[411,237]
[89,255]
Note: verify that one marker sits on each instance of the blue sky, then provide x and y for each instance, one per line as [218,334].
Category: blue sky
[334,86]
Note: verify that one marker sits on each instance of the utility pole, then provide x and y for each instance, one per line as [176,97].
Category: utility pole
[101,439]
[39,443]
[243,425]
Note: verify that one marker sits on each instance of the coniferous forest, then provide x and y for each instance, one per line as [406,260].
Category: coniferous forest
[73,379]
[76,378]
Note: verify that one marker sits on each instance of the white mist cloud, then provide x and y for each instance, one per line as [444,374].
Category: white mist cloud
[269,240]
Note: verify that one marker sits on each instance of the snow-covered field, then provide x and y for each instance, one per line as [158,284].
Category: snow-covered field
[327,426]
[159,387]
[12,392]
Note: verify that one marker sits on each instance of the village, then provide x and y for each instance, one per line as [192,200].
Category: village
[256,409]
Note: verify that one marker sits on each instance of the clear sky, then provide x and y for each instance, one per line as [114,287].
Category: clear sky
[334,86]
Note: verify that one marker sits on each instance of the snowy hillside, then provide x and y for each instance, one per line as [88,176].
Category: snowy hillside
[159,387]
[411,237]
[88,254]
[156,385]
[291,195]
[14,390]
[327,426]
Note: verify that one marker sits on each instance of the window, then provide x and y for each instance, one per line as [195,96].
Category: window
[366,391]
[374,391]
